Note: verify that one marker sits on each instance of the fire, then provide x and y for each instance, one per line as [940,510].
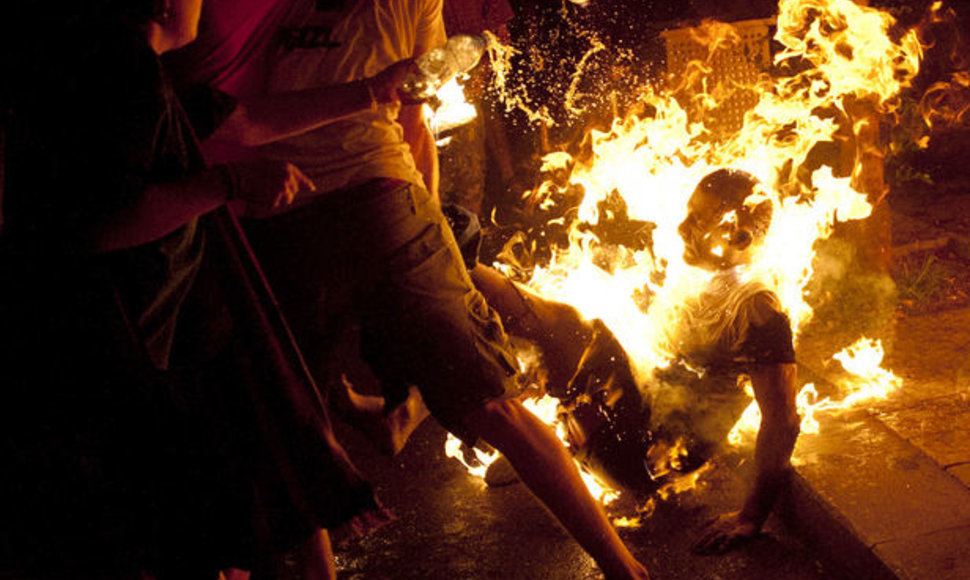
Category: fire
[546,408]
[453,110]
[478,468]
[837,57]
[652,162]
[866,381]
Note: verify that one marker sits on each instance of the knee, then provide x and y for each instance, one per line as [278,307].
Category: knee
[499,420]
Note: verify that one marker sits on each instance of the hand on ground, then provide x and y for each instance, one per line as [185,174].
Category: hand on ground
[726,532]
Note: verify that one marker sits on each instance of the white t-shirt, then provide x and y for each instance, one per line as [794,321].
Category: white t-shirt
[327,42]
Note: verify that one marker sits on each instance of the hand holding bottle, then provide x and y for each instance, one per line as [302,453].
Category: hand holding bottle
[433,69]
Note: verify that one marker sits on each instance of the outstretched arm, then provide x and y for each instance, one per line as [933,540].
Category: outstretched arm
[164,206]
[774,390]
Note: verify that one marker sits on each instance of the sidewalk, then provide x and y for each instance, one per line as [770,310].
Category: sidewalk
[885,491]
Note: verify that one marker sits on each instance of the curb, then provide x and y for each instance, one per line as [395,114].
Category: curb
[876,506]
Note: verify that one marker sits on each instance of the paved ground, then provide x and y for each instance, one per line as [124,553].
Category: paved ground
[886,488]
[451,526]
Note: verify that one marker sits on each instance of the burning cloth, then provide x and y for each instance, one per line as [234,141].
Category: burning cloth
[622,435]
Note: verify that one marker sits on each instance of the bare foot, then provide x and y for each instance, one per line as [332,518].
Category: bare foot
[402,421]
[390,431]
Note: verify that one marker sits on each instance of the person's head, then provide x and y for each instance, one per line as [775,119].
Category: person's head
[726,219]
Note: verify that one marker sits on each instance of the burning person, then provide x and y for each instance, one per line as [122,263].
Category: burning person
[731,334]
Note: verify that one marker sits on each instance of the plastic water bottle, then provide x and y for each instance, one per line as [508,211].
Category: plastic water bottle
[435,68]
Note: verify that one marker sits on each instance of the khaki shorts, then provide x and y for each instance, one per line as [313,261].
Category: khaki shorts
[382,257]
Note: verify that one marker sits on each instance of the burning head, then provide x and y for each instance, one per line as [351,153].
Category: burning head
[727,218]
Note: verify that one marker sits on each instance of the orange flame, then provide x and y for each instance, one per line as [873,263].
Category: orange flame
[453,110]
[835,54]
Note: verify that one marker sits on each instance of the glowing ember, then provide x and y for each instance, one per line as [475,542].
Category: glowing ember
[625,522]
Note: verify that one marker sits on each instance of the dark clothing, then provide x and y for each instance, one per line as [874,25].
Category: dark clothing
[89,132]
[157,415]
[381,256]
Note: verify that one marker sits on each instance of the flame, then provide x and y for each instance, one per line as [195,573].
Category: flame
[453,110]
[866,381]
[839,66]
[844,53]
[546,408]
[478,468]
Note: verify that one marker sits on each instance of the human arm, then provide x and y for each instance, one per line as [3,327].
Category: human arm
[165,206]
[548,470]
[413,118]
[774,389]
[264,119]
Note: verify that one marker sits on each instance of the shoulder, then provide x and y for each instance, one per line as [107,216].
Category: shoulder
[768,336]
[764,307]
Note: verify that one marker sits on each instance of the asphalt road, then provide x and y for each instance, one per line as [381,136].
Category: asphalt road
[449,525]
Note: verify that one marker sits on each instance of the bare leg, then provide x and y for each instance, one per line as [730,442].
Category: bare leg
[548,470]
[315,558]
[389,432]
[404,419]
[556,328]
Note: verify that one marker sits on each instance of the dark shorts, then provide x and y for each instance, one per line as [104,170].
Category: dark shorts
[381,257]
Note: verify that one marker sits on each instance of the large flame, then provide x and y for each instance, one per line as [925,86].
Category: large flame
[865,381]
[837,58]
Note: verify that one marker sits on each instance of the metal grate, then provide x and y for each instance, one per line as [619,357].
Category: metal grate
[731,66]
